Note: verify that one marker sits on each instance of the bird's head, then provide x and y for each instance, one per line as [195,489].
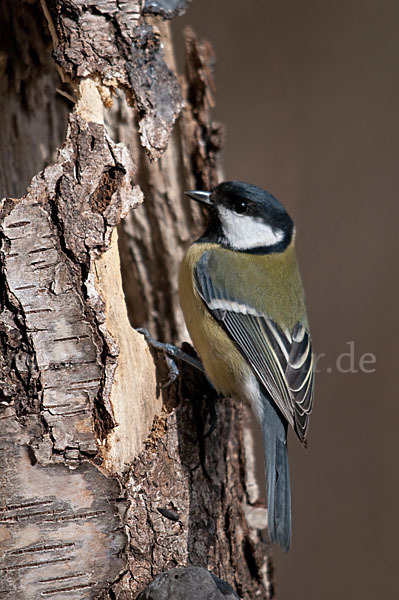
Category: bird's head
[246,218]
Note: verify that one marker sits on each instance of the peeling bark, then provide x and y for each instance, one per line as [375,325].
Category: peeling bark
[68,216]
[121,51]
[58,360]
[150,262]
[107,479]
[62,533]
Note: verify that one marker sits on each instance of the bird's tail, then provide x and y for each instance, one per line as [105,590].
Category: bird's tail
[274,432]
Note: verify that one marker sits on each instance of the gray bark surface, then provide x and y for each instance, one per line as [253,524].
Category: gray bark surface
[188,582]
[107,479]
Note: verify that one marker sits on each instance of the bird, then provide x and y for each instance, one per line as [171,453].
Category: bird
[243,303]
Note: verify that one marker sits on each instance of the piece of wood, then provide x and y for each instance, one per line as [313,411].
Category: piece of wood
[106,478]
[60,362]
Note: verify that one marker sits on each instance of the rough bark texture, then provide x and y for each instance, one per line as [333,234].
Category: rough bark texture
[120,49]
[106,479]
[153,241]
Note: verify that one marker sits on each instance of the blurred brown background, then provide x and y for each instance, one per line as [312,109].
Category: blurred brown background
[308,92]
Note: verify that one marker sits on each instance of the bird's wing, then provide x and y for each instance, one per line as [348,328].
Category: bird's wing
[282,360]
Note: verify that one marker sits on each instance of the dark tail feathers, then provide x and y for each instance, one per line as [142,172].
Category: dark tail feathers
[274,433]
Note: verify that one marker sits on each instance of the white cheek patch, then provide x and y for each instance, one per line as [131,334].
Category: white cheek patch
[244,232]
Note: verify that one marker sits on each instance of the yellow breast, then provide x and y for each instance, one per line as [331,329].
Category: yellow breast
[223,363]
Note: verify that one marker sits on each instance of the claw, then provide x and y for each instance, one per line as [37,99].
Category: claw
[170,351]
[173,372]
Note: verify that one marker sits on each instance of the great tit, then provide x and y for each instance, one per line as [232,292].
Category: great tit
[243,303]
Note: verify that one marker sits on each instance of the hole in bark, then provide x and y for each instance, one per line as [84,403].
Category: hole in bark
[32,457]
[250,560]
[110,181]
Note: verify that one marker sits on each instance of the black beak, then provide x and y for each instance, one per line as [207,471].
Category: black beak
[203,197]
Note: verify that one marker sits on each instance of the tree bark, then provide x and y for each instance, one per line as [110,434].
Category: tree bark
[108,479]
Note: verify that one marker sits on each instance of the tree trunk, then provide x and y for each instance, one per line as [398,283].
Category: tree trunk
[107,478]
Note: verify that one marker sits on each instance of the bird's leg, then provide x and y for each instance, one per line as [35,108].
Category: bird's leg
[171,352]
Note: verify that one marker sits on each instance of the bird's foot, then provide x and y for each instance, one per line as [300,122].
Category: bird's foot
[171,352]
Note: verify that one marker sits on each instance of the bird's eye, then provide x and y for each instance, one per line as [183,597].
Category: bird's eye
[240,207]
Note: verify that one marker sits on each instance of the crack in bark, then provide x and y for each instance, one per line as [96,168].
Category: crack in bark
[203,137]
[21,384]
